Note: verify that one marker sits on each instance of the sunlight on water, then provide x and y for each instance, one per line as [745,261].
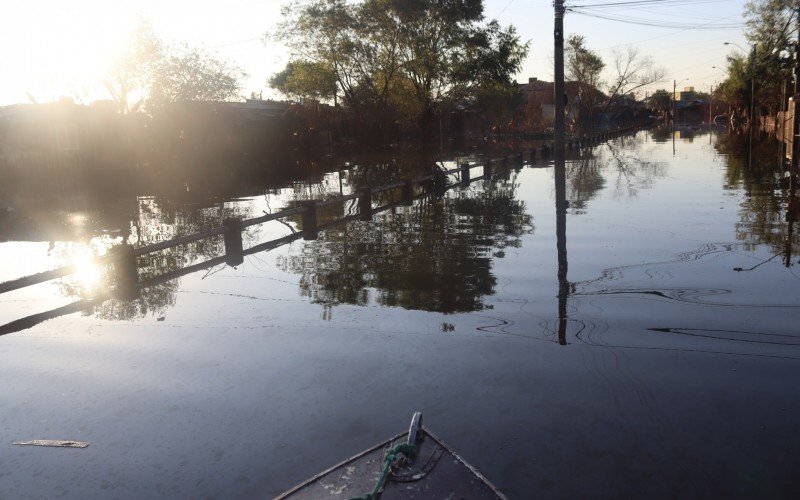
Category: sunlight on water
[87,273]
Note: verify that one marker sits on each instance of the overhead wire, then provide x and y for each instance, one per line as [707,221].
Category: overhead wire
[654,23]
[591,10]
[630,3]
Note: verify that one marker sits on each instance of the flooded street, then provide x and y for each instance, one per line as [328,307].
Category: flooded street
[663,364]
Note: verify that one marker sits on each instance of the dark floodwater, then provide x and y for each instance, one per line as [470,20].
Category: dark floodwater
[655,370]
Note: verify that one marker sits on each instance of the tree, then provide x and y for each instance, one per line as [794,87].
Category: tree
[190,74]
[770,29]
[447,54]
[153,73]
[632,71]
[305,80]
[402,57]
[735,90]
[352,44]
[660,100]
[129,78]
[584,67]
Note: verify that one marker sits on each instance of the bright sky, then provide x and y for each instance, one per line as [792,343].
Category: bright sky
[52,48]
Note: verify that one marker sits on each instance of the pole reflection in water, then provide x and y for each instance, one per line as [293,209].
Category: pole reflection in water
[791,217]
[561,245]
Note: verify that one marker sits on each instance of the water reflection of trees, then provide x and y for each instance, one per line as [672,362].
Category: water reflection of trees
[624,163]
[433,256]
[762,214]
[157,220]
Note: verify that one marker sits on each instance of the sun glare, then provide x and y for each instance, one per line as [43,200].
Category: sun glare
[54,48]
[87,273]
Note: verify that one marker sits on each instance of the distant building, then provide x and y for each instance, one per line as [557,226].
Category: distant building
[52,149]
[687,94]
[539,98]
[691,107]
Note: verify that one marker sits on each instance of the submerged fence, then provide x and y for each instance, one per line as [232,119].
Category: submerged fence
[123,258]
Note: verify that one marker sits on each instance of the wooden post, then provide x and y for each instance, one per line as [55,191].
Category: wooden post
[365,204]
[126,272]
[465,172]
[440,182]
[309,220]
[487,170]
[234,251]
[407,191]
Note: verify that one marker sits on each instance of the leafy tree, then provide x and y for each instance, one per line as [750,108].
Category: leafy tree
[735,90]
[771,30]
[402,57]
[152,73]
[660,100]
[190,74]
[584,67]
[129,78]
[352,44]
[305,80]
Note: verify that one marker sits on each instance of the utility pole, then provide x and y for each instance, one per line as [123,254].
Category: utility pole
[710,101]
[752,103]
[560,173]
[560,125]
[674,89]
[795,98]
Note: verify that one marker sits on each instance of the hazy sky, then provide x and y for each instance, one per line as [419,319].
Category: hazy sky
[52,48]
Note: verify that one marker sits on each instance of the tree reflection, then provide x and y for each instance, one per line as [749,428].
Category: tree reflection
[156,220]
[433,256]
[624,163]
[767,206]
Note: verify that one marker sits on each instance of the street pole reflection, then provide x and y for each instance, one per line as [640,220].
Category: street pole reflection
[791,217]
[561,244]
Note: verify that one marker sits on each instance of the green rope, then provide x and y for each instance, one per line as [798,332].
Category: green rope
[406,449]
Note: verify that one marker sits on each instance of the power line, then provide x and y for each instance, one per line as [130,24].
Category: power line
[503,10]
[646,2]
[655,23]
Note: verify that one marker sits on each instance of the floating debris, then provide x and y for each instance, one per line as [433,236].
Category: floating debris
[53,443]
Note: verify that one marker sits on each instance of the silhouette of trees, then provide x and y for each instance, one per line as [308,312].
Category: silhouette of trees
[151,73]
[189,74]
[660,100]
[631,72]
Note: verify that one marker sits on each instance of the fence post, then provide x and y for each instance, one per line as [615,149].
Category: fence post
[365,204]
[234,251]
[126,272]
[440,182]
[309,220]
[407,191]
[465,172]
[487,170]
